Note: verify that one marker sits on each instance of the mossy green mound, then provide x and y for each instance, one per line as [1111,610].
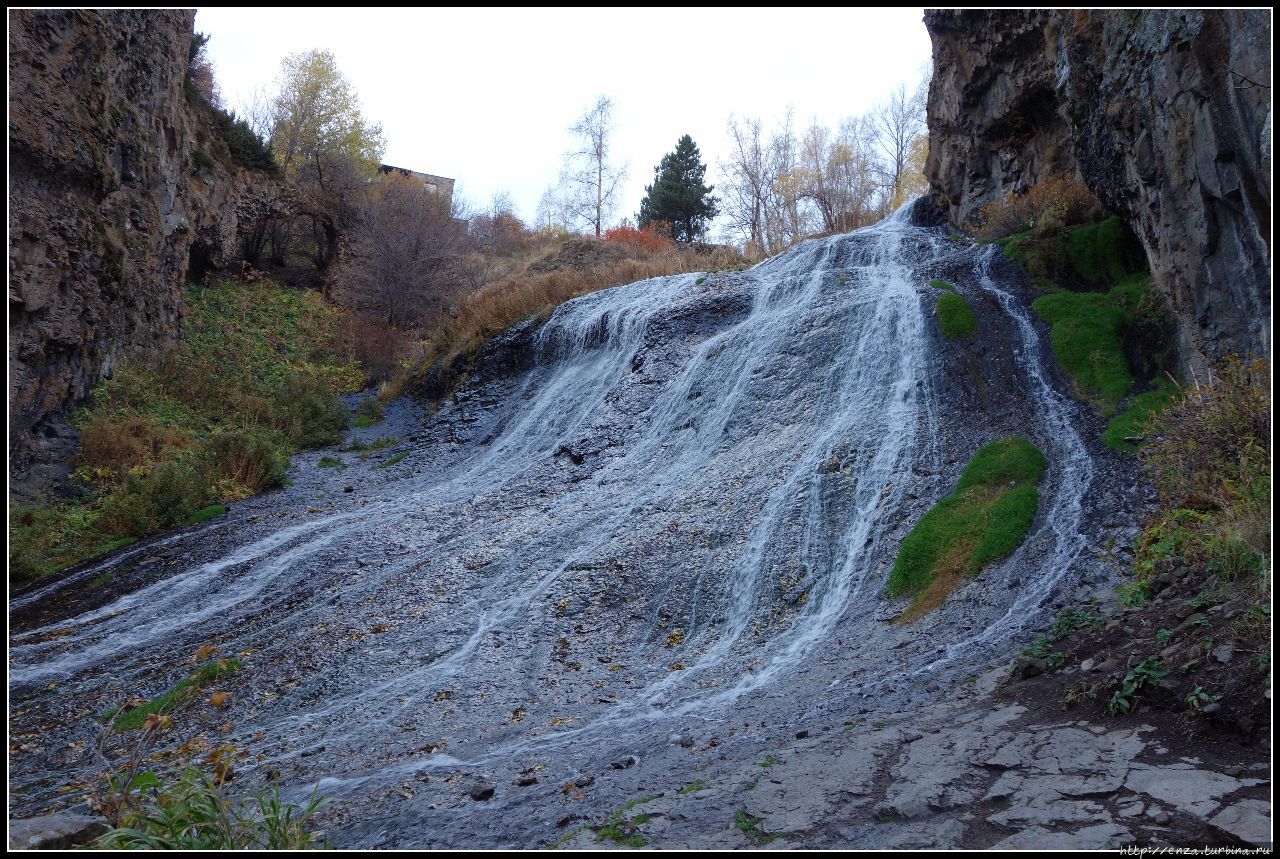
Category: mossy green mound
[1087,340]
[984,519]
[955,316]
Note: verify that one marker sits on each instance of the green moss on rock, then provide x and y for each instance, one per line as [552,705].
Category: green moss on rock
[955,316]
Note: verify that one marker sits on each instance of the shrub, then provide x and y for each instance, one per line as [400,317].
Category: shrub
[44,538]
[193,813]
[1213,445]
[160,498]
[250,461]
[368,412]
[306,412]
[1049,206]
[214,418]
[1210,461]
[383,351]
[111,446]
[654,237]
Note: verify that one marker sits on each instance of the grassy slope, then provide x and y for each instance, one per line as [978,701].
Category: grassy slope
[216,419]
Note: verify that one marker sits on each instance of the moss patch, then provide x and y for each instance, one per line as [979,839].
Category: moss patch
[164,704]
[1133,421]
[1088,256]
[204,514]
[393,460]
[955,316]
[984,519]
[942,284]
[1086,334]
[1101,253]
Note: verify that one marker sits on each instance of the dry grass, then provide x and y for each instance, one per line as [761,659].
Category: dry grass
[499,305]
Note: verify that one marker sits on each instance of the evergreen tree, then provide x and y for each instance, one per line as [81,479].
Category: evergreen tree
[677,195]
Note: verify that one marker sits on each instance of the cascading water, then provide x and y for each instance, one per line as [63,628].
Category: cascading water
[682,514]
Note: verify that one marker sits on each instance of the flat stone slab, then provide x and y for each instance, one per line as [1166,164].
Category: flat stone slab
[1104,836]
[1248,820]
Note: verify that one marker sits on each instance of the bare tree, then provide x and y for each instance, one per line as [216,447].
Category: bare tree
[787,222]
[898,122]
[400,260]
[553,213]
[747,183]
[590,180]
[840,174]
[258,109]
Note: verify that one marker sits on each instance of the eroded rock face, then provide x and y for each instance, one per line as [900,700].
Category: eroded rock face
[1165,114]
[116,187]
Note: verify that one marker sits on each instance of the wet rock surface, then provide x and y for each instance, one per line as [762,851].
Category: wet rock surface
[686,594]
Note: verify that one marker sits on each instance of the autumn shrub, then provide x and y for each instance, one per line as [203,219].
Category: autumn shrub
[654,237]
[368,412]
[49,535]
[1047,207]
[382,350]
[162,497]
[254,377]
[305,411]
[243,462]
[111,446]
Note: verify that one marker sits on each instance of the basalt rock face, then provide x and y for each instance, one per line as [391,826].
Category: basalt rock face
[118,183]
[1166,116]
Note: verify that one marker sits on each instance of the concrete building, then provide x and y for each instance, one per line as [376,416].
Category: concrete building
[441,185]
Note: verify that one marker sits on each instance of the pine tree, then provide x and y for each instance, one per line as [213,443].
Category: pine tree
[677,195]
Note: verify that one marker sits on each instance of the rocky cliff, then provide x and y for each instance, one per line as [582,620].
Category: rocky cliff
[118,186]
[1165,114]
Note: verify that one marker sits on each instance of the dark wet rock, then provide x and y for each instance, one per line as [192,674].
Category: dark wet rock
[58,831]
[525,780]
[585,780]
[482,792]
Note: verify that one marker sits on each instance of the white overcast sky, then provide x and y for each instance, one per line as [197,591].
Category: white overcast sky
[486,96]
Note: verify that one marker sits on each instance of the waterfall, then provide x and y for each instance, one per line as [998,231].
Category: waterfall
[687,503]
